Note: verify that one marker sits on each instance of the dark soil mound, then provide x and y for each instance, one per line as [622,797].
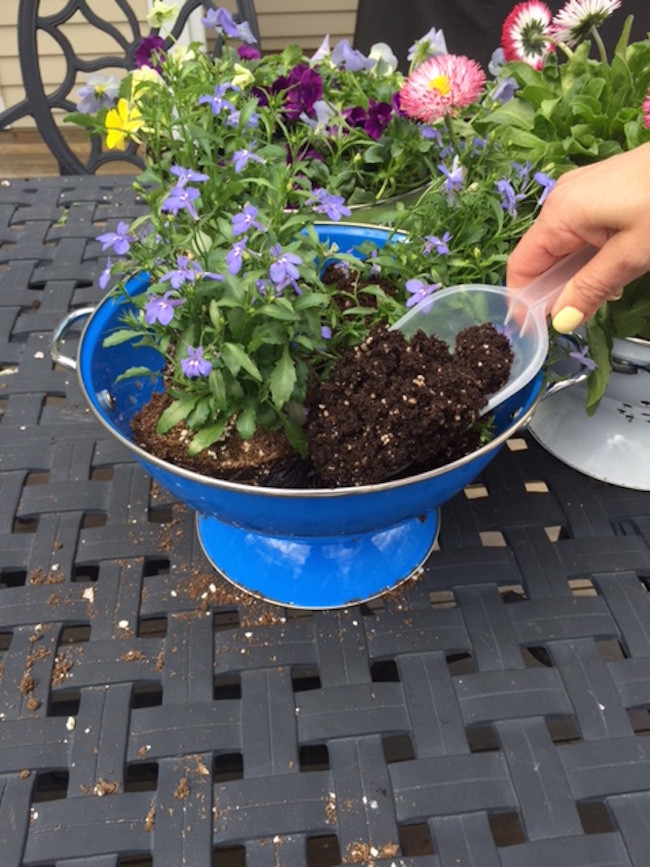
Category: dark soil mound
[390,404]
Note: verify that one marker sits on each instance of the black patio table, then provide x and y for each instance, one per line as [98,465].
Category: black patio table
[493,713]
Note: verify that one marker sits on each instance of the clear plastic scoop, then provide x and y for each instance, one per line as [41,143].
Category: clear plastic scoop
[521,316]
[538,297]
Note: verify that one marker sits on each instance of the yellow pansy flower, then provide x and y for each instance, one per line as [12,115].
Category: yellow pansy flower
[242,77]
[121,123]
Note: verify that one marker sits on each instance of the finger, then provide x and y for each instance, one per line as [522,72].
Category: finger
[601,280]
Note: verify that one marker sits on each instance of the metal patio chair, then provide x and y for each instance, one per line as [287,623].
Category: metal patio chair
[44,106]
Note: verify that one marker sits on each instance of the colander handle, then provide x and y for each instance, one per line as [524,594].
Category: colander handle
[58,337]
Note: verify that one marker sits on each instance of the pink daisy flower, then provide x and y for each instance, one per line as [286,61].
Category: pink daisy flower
[525,33]
[441,85]
[577,17]
[646,110]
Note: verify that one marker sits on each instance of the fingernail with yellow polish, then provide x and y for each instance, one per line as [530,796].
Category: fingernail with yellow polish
[567,319]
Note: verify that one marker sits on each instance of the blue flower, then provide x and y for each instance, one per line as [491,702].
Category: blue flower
[421,292]
[161,308]
[105,276]
[509,198]
[181,198]
[119,240]
[242,157]
[217,102]
[441,245]
[194,364]
[331,205]
[188,271]
[283,270]
[246,220]
[580,355]
[454,177]
[186,176]
[235,256]
[326,332]
[547,182]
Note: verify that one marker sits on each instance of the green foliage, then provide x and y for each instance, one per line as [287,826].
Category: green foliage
[574,111]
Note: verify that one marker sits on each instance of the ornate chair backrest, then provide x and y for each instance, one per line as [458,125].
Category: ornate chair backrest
[34,24]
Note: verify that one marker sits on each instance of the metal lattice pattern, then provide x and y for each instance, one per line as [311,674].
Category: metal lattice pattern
[56,24]
[494,713]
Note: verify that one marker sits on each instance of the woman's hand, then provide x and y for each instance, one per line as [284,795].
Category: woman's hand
[607,205]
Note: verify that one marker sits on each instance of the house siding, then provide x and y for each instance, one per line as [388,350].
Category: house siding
[280,21]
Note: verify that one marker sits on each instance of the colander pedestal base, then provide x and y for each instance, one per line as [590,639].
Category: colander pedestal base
[318,572]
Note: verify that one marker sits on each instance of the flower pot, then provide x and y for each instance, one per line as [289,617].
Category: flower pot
[613,445]
[311,548]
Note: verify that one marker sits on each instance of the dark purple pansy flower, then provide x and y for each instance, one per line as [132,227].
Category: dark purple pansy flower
[149,52]
[247,52]
[379,114]
[304,86]
[355,116]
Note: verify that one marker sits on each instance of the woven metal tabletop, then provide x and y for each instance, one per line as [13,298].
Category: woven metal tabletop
[494,713]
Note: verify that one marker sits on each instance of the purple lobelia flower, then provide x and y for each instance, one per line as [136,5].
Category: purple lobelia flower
[149,52]
[235,256]
[547,183]
[245,220]
[187,271]
[582,357]
[454,177]
[217,100]
[161,308]
[440,245]
[326,332]
[119,240]
[186,176]
[331,205]
[194,364]
[105,276]
[181,198]
[509,197]
[283,270]
[242,157]
[420,292]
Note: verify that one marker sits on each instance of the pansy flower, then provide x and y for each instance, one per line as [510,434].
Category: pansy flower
[150,52]
[122,123]
[645,108]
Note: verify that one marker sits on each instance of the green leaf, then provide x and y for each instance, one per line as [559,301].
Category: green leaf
[235,358]
[600,344]
[130,372]
[246,422]
[176,412]
[283,380]
[206,437]
[118,337]
[218,387]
